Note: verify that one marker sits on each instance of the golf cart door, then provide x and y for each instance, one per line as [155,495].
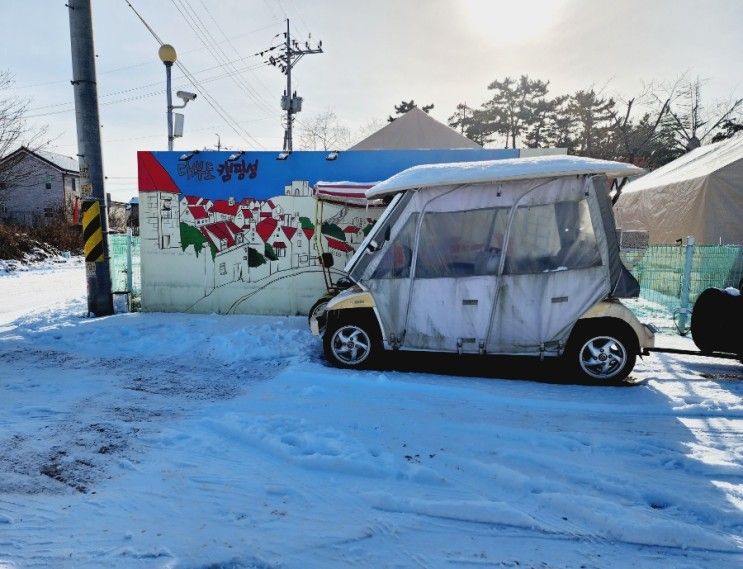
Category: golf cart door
[555,269]
[457,259]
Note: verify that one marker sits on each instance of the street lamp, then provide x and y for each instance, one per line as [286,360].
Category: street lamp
[168,57]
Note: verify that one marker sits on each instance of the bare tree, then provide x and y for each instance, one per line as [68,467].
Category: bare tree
[324,132]
[15,132]
[693,122]
[635,138]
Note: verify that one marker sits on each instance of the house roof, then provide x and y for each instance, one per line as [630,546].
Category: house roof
[221,230]
[279,245]
[223,206]
[198,212]
[247,214]
[415,130]
[339,245]
[59,161]
[266,228]
[308,232]
[351,229]
[488,171]
[289,231]
[193,200]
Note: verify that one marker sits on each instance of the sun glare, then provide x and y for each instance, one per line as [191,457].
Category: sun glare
[507,22]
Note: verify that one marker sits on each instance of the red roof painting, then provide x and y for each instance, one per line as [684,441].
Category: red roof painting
[351,229]
[279,245]
[223,206]
[221,231]
[289,232]
[247,214]
[339,245]
[152,176]
[266,228]
[198,212]
[193,200]
[308,232]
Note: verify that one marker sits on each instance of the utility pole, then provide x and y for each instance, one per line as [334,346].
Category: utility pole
[292,52]
[95,210]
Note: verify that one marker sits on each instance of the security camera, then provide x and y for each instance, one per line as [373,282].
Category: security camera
[185,96]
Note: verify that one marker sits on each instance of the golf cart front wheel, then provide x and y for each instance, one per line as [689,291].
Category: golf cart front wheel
[353,344]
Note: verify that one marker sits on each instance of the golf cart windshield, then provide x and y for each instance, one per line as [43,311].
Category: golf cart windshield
[376,238]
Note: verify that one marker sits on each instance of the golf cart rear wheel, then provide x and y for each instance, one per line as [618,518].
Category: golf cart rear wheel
[352,341]
[603,351]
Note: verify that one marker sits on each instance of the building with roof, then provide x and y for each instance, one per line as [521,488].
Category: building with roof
[36,186]
[415,129]
[699,194]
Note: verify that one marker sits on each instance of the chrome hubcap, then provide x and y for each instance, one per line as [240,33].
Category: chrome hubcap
[350,345]
[603,357]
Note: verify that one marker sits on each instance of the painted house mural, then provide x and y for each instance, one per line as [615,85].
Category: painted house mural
[240,233]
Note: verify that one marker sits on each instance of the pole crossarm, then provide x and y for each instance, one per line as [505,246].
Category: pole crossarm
[291,54]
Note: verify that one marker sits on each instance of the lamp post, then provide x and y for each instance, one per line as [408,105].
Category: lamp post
[168,57]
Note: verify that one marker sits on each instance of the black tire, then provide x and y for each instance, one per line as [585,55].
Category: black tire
[361,333]
[601,351]
[323,301]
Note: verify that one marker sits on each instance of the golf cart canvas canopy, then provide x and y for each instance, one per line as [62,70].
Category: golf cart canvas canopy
[500,257]
[353,193]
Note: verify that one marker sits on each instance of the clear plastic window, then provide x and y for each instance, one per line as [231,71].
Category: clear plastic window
[461,243]
[552,237]
[397,255]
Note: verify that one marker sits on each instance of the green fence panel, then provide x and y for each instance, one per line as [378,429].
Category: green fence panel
[117,250]
[660,272]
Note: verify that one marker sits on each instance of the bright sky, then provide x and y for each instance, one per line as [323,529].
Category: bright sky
[376,54]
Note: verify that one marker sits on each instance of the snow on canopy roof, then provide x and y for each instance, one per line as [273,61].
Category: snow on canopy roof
[347,192]
[430,175]
[698,163]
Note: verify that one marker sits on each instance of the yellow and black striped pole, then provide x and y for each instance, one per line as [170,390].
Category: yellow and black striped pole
[93,245]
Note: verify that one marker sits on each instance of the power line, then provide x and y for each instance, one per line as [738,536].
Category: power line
[71,108]
[145,86]
[148,61]
[201,31]
[234,48]
[159,135]
[213,103]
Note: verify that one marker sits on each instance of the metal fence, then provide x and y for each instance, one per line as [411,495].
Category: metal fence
[672,277]
[125,264]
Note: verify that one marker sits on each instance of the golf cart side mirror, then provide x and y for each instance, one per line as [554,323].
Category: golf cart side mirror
[387,233]
[326,260]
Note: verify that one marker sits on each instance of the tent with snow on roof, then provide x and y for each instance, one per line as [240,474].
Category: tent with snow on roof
[699,194]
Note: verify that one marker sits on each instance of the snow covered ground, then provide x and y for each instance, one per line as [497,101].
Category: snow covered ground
[193,441]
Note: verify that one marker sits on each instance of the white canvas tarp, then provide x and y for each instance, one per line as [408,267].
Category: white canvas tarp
[699,194]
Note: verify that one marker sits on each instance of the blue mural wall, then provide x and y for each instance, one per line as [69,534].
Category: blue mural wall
[261,175]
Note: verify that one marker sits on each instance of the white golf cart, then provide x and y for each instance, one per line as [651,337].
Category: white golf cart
[516,257]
